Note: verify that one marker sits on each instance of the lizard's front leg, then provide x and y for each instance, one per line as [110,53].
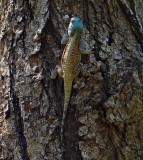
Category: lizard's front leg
[86,52]
[83,50]
[65,39]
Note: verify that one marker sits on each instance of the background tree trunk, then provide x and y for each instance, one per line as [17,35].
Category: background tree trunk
[105,115]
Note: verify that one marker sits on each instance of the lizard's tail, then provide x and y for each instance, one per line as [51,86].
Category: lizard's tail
[67,91]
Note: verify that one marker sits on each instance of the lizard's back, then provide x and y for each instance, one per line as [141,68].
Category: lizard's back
[71,62]
[71,57]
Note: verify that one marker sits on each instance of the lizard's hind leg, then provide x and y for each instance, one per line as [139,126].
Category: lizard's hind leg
[56,71]
[76,71]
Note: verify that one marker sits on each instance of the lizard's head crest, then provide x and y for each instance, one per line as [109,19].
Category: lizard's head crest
[75,26]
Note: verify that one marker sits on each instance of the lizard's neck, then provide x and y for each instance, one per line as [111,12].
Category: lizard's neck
[77,34]
[76,38]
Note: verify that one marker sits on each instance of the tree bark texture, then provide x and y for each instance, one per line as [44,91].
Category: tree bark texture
[105,114]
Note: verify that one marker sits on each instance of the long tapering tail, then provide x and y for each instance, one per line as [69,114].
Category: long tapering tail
[67,91]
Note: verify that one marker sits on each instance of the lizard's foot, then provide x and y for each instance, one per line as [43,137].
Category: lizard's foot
[86,51]
[53,74]
[56,71]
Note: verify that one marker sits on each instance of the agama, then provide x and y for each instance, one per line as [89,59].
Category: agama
[70,61]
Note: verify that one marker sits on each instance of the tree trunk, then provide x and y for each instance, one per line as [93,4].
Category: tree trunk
[105,114]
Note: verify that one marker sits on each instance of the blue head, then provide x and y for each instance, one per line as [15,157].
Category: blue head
[75,26]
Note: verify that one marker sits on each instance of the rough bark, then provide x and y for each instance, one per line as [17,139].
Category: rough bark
[105,116]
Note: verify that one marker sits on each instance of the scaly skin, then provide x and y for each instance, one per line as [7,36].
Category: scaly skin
[71,58]
[70,66]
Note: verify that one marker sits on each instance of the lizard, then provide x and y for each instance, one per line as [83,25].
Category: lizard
[70,61]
